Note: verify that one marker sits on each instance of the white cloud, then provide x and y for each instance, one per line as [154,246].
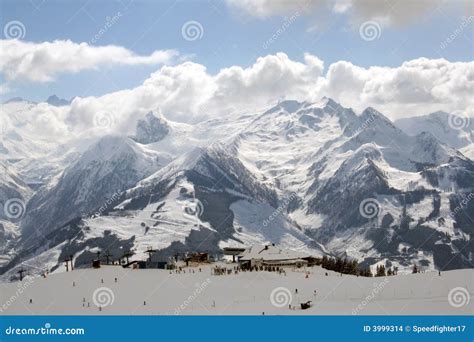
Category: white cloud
[267,8]
[189,93]
[392,12]
[271,78]
[389,12]
[42,62]
[416,87]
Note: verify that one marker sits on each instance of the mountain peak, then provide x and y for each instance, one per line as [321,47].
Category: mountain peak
[15,100]
[292,106]
[328,105]
[374,112]
[329,102]
[370,114]
[57,102]
[152,128]
[289,106]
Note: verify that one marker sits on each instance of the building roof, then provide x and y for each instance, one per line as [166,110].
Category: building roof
[233,250]
[284,262]
[271,253]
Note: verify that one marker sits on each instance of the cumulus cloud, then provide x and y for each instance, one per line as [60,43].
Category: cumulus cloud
[392,12]
[267,8]
[42,62]
[416,87]
[189,93]
[271,78]
[389,12]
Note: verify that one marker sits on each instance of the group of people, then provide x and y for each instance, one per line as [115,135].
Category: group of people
[222,270]
[180,270]
[219,270]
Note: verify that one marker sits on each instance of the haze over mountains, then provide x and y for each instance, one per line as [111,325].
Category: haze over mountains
[309,176]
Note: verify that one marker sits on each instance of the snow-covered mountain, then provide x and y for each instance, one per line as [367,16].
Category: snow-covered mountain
[107,168]
[454,130]
[331,160]
[151,129]
[310,176]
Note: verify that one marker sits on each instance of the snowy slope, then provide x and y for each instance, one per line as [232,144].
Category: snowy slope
[14,194]
[246,293]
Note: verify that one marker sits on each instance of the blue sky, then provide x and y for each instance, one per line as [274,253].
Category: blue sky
[230,37]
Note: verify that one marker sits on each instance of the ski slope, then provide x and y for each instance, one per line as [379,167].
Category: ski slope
[157,292]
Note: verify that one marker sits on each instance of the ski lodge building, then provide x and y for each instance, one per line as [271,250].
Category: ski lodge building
[273,256]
